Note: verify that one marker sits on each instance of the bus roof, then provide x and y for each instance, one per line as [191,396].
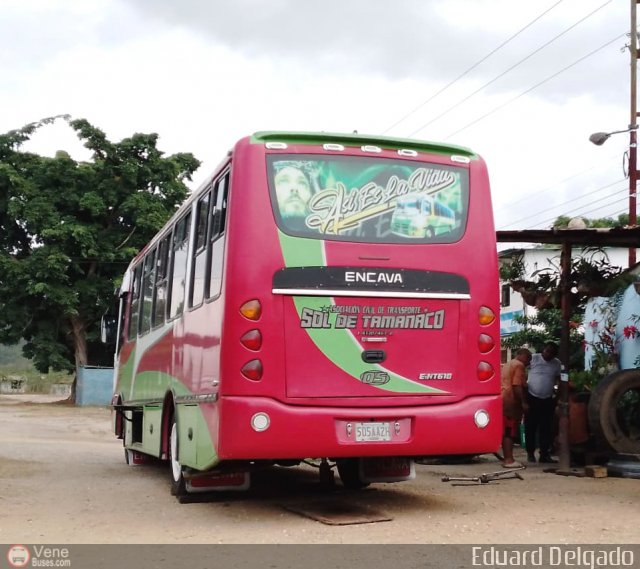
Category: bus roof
[360,139]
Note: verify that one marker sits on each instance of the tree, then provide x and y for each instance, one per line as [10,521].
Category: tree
[69,229]
[622,220]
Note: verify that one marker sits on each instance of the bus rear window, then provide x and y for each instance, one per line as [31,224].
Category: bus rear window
[371,200]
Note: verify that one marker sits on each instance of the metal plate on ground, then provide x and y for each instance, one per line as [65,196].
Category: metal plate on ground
[337,512]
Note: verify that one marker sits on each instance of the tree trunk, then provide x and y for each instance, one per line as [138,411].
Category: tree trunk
[78,328]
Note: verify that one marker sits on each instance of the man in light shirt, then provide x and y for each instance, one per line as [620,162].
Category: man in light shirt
[544,374]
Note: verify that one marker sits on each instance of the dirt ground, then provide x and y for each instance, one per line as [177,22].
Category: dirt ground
[63,480]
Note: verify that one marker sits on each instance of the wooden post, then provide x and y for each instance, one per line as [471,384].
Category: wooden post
[564,453]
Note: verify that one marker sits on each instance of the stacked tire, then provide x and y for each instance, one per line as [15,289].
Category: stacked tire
[612,428]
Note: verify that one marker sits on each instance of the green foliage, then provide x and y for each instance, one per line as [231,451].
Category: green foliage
[622,220]
[68,230]
[512,269]
[545,326]
[584,380]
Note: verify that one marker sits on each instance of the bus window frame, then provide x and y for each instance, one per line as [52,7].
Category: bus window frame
[187,219]
[223,180]
[151,259]
[208,194]
[133,297]
[166,242]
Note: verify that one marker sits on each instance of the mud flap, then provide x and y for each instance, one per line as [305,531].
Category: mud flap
[387,469]
[218,481]
[135,458]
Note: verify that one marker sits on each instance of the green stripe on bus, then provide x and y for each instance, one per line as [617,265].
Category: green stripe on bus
[147,386]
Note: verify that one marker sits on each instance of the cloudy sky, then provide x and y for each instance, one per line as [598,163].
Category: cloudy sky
[522,83]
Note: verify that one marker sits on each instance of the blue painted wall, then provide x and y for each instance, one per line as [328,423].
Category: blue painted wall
[601,311]
[95,386]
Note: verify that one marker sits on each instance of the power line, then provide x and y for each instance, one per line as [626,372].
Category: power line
[500,107]
[509,69]
[620,212]
[443,89]
[577,211]
[561,204]
[588,204]
[553,186]
[585,213]
[582,214]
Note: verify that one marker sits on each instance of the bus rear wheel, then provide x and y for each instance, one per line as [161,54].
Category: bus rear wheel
[178,485]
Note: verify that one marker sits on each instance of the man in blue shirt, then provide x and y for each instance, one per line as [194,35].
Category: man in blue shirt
[544,374]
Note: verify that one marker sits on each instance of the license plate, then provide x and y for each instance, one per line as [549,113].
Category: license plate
[373,432]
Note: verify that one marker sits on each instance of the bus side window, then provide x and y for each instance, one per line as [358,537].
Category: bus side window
[179,255]
[216,243]
[162,273]
[199,269]
[135,303]
[148,279]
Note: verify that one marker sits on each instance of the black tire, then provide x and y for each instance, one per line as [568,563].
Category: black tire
[349,472]
[178,485]
[430,232]
[611,427]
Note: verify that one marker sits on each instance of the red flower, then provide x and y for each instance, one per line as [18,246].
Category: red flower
[630,332]
[593,324]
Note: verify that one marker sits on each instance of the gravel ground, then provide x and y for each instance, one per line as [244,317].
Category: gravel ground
[63,480]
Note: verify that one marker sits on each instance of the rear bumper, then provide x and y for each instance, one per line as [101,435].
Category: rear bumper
[315,432]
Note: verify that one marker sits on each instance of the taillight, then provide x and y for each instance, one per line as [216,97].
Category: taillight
[486,316]
[251,310]
[252,340]
[252,370]
[485,343]
[485,371]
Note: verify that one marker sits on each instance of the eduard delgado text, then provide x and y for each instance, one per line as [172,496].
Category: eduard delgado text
[588,557]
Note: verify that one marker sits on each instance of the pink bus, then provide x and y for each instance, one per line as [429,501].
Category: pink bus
[280,316]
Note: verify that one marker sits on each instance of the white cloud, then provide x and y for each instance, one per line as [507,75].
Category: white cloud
[203,74]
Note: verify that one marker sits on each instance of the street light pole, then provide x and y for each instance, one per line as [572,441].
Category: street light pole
[599,138]
[633,132]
